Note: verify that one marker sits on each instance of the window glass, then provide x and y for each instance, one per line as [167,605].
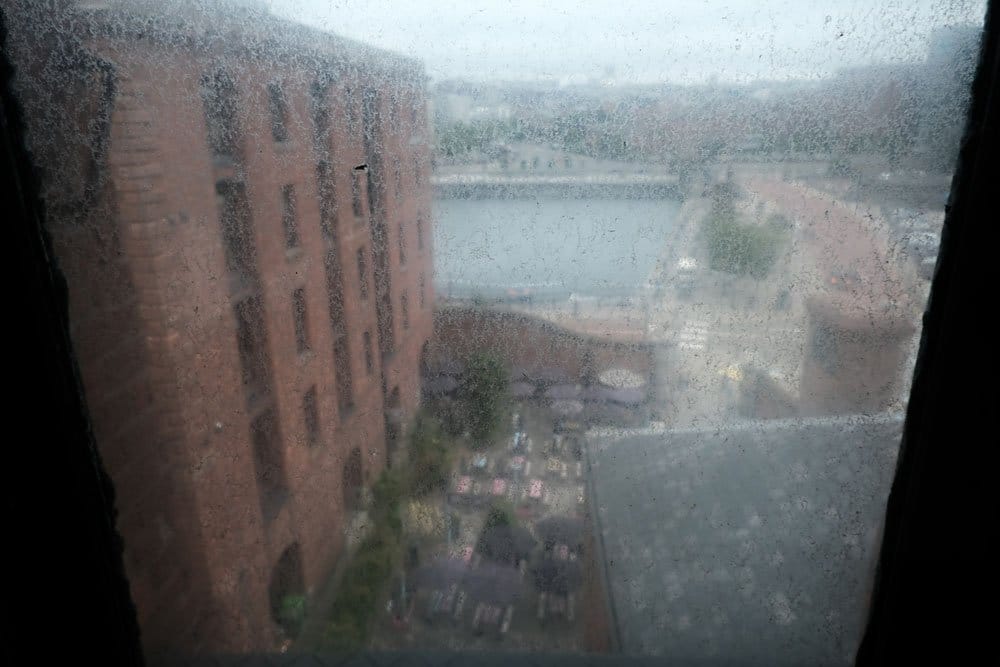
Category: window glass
[301,322]
[611,310]
[288,216]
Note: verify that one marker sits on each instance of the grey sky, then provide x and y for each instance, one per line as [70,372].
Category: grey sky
[642,40]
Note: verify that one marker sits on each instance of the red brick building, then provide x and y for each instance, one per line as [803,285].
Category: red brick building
[860,308]
[240,207]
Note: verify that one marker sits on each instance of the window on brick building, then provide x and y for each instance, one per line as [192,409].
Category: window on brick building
[237,232]
[251,344]
[287,588]
[288,222]
[369,353]
[352,102]
[404,310]
[345,382]
[351,479]
[277,107]
[356,206]
[362,273]
[310,413]
[327,200]
[385,319]
[301,320]
[219,97]
[335,290]
[423,291]
[401,243]
[269,459]
[420,232]
[322,114]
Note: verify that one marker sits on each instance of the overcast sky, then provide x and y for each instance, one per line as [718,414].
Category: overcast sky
[640,40]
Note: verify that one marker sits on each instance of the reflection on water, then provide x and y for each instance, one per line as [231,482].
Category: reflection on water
[548,246]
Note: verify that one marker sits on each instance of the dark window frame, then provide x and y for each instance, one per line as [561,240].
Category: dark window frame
[252,346]
[278,112]
[300,319]
[357,199]
[369,352]
[289,219]
[343,375]
[220,100]
[401,241]
[362,264]
[269,461]
[239,236]
[310,415]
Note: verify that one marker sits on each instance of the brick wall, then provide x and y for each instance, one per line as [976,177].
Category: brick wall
[530,347]
[154,326]
[852,362]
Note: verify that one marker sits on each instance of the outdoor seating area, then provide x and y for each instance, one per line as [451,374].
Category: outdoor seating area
[614,396]
[512,562]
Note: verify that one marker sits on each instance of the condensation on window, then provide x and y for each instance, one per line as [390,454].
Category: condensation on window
[551,327]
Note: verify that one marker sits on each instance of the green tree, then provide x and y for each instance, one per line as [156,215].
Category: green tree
[500,513]
[430,456]
[387,495]
[291,614]
[365,577]
[484,395]
[741,249]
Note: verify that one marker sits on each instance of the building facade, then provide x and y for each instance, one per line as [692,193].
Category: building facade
[859,306]
[240,208]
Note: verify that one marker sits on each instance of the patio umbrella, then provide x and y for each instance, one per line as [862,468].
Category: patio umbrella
[628,396]
[596,394]
[522,389]
[561,530]
[506,544]
[448,366]
[441,385]
[439,573]
[567,407]
[548,375]
[563,391]
[493,583]
[621,378]
[559,577]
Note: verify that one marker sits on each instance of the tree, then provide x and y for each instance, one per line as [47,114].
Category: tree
[483,394]
[500,513]
[387,495]
[741,249]
[430,456]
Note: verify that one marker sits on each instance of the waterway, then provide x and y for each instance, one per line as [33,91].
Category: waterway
[548,247]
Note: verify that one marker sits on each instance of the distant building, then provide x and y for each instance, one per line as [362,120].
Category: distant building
[853,362]
[240,207]
[952,56]
[859,310]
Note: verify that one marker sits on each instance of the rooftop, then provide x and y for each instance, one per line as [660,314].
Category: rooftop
[858,275]
[244,26]
[753,542]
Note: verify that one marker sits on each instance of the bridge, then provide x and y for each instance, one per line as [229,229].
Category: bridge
[491,185]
